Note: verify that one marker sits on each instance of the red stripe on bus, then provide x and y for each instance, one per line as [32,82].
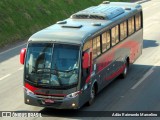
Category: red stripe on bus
[31,88]
[115,74]
[134,47]
[88,78]
[105,61]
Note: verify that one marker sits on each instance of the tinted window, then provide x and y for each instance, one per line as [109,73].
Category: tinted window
[115,35]
[52,66]
[105,41]
[123,30]
[87,45]
[96,47]
[138,20]
[131,25]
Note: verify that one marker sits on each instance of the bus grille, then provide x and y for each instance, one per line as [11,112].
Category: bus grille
[50,97]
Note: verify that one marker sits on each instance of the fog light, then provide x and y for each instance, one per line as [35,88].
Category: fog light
[28,100]
[73,104]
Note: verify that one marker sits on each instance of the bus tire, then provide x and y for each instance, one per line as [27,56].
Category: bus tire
[125,71]
[92,95]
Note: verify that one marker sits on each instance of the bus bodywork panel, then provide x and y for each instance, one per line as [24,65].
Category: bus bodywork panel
[111,64]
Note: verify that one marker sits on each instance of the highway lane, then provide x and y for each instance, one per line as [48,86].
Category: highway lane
[139,91]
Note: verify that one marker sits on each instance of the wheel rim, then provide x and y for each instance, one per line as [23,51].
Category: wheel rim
[92,93]
[92,96]
[125,70]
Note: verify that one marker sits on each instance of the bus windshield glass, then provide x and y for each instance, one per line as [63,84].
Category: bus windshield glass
[52,64]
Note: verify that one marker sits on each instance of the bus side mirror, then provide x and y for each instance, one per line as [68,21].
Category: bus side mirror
[22,55]
[86,60]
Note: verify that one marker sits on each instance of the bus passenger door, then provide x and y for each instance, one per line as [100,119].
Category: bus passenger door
[86,75]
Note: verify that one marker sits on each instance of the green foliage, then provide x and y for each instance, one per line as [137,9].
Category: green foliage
[21,18]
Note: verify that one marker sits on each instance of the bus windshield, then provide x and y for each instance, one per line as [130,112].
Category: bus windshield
[52,65]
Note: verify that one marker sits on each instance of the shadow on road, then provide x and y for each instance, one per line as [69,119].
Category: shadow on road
[150,43]
[11,53]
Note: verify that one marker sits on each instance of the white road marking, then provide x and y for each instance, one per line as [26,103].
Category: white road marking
[150,71]
[142,79]
[5,77]
[2,78]
[12,48]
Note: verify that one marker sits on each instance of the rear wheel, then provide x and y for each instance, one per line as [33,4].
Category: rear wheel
[92,96]
[125,71]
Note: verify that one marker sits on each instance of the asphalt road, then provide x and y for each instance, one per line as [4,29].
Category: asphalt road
[140,91]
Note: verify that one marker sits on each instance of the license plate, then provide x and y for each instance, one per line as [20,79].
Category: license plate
[48,101]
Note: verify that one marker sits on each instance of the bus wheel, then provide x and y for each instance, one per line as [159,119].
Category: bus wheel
[92,96]
[124,74]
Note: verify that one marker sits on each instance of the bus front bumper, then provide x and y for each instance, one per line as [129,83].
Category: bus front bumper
[66,103]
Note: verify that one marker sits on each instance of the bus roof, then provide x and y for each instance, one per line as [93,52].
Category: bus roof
[86,23]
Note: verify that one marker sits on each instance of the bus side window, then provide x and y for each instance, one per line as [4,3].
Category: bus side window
[123,30]
[106,41]
[131,25]
[87,45]
[96,47]
[138,21]
[115,35]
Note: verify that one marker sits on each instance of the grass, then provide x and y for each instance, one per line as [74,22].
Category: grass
[19,19]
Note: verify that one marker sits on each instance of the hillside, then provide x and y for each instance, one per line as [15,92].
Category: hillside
[21,18]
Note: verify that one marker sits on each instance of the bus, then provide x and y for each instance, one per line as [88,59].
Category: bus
[67,64]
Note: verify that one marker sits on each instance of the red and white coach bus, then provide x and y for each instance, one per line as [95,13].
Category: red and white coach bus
[68,63]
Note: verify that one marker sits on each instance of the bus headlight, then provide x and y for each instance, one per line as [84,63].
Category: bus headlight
[28,92]
[73,95]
